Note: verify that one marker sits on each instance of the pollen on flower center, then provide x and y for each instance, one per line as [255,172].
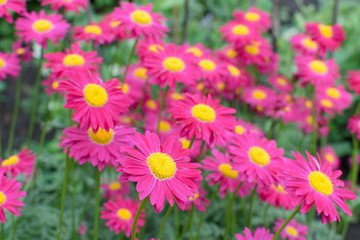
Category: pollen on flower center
[233,70]
[155,47]
[329,157]
[326,103]
[42,25]
[252,50]
[161,165]
[151,104]
[196,51]
[333,92]
[226,170]
[308,104]
[102,136]
[326,30]
[125,88]
[279,188]
[291,231]
[124,214]
[195,197]
[318,66]
[240,30]
[12,160]
[174,64]
[207,65]
[185,143]
[2,62]
[2,2]
[259,94]
[73,60]
[164,126]
[200,86]
[307,42]
[115,185]
[55,84]
[95,95]
[2,197]
[310,120]
[140,72]
[114,24]
[177,96]
[321,183]
[141,17]
[220,86]
[259,156]
[281,82]
[20,51]
[93,29]
[251,16]
[231,53]
[203,112]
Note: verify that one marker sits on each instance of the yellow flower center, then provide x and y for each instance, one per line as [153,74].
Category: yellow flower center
[259,108]
[114,24]
[126,120]
[333,92]
[279,188]
[240,129]
[207,65]
[329,157]
[196,51]
[174,64]
[42,25]
[233,70]
[164,126]
[2,198]
[115,185]
[73,60]
[151,104]
[200,86]
[226,170]
[155,47]
[231,53]
[55,84]
[252,49]
[220,86]
[203,112]
[252,17]
[308,104]
[185,143]
[259,156]
[95,95]
[326,103]
[281,82]
[2,62]
[141,17]
[140,72]
[2,2]
[125,88]
[318,66]
[93,29]
[12,160]
[195,197]
[177,96]
[161,165]
[321,183]
[307,42]
[124,214]
[20,51]
[310,120]
[291,231]
[102,136]
[326,30]
[259,94]
[240,30]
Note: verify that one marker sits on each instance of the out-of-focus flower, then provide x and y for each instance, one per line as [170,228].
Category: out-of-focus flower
[23,162]
[260,233]
[18,6]
[67,5]
[254,17]
[9,65]
[96,32]
[329,154]
[115,188]
[292,231]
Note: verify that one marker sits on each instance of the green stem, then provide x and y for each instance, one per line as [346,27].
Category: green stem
[63,194]
[15,114]
[277,234]
[133,231]
[97,204]
[191,142]
[162,108]
[163,221]
[188,222]
[201,150]
[228,212]
[35,100]
[314,128]
[13,229]
[177,222]
[355,166]
[251,205]
[72,190]
[265,215]
[129,60]
[2,231]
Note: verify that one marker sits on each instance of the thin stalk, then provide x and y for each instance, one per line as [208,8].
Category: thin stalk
[72,190]
[355,166]
[177,222]
[228,212]
[277,234]
[265,215]
[188,222]
[201,150]
[35,100]
[163,221]
[251,205]
[129,60]
[162,108]
[133,231]
[97,204]
[13,228]
[2,231]
[186,21]
[192,141]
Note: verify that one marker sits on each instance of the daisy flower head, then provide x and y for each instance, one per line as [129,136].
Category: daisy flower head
[113,28]
[293,230]
[329,154]
[96,32]
[149,46]
[150,104]
[212,70]
[22,51]
[140,21]
[280,83]
[160,170]
[171,66]
[258,158]
[198,50]
[329,37]
[82,228]
[97,104]
[113,189]
[9,197]
[260,233]
[167,127]
[18,6]
[257,51]
[259,96]
[100,149]
[67,5]
[314,182]
[9,65]
[354,125]
[353,80]
[199,201]
[72,59]
[119,215]
[228,54]
[223,170]
[138,73]
[41,27]
[23,162]
[254,17]
[241,127]
[333,98]
[304,45]
[275,195]
[203,117]
[316,71]
[52,85]
[239,33]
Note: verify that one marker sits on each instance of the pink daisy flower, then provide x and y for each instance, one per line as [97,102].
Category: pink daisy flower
[9,65]
[140,21]
[203,117]
[316,71]
[23,162]
[18,6]
[292,231]
[137,72]
[260,233]
[115,188]
[72,59]
[227,54]
[304,45]
[149,46]
[113,28]
[280,83]
[67,5]
[212,70]
[198,50]
[23,52]
[354,125]
[353,80]
[167,127]
[171,66]
[96,32]
[256,52]
[100,149]
[259,96]
[329,154]
[277,196]
[314,182]
[119,215]
[52,85]
[258,158]
[82,229]
[161,171]
[41,27]
[239,33]
[224,171]
[133,90]
[97,104]
[9,197]
[254,17]
[199,201]
[333,98]
[241,127]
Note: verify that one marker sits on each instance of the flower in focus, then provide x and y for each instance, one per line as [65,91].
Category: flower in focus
[354,125]
[329,154]
[18,6]
[115,188]
[67,5]
[254,17]
[23,162]
[119,215]
[260,233]
[9,65]
[96,32]
[160,170]
[314,182]
[292,231]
